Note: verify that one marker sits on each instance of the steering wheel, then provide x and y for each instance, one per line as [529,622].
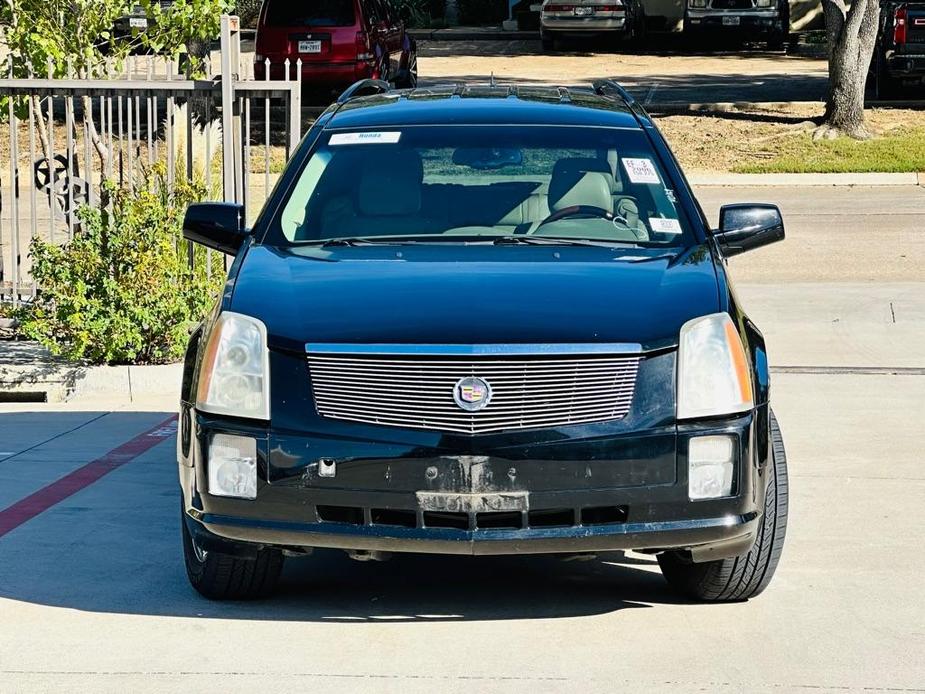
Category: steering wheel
[583,211]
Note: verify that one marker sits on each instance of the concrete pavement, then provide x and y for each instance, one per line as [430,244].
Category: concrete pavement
[93,597]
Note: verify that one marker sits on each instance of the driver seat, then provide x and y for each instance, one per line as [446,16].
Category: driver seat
[571,186]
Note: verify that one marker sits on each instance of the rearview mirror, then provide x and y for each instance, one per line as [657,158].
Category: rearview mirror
[217,225]
[745,227]
[487,158]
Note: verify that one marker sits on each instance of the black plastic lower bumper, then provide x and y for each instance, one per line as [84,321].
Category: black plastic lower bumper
[738,24]
[707,538]
[628,491]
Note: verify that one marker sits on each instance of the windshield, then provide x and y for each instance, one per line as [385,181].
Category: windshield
[334,13]
[445,184]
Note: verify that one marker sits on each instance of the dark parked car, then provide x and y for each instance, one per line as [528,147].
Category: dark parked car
[136,22]
[338,42]
[481,320]
[622,20]
[898,67]
[747,20]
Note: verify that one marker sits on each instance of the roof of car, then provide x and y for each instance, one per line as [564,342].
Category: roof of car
[473,104]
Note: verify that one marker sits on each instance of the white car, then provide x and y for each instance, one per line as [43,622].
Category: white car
[622,19]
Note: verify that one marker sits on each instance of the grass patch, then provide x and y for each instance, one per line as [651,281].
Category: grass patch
[894,152]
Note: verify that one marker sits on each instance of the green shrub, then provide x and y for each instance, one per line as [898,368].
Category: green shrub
[476,12]
[122,292]
[248,11]
[415,12]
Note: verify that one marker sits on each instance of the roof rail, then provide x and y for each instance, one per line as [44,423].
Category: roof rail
[363,88]
[605,87]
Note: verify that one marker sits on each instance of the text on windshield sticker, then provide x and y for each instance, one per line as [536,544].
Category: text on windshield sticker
[375,138]
[641,171]
[665,226]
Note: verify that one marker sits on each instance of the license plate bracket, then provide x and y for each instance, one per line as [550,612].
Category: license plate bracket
[452,502]
[309,46]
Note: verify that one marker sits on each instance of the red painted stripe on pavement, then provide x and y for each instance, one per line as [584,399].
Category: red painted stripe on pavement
[35,504]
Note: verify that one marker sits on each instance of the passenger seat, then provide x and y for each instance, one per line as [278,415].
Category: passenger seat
[386,201]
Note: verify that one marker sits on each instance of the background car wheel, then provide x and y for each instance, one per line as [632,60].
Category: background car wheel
[746,576]
[223,577]
[885,87]
[777,42]
[408,76]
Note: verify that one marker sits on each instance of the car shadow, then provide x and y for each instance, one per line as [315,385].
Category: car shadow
[114,547]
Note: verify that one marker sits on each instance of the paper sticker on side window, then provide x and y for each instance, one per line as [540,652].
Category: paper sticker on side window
[376,138]
[665,226]
[641,171]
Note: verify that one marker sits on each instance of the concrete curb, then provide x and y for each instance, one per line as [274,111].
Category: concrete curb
[836,179]
[29,372]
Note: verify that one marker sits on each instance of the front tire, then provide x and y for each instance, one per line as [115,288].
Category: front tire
[746,576]
[224,577]
[548,42]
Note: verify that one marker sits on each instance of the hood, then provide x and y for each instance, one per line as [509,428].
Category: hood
[434,294]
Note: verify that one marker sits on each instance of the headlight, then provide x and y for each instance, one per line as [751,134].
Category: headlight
[233,466]
[235,377]
[713,374]
[763,3]
[710,467]
[697,4]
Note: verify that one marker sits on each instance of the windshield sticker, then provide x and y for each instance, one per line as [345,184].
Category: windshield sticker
[665,226]
[641,171]
[379,138]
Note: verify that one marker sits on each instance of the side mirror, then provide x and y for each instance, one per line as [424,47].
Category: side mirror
[745,227]
[217,225]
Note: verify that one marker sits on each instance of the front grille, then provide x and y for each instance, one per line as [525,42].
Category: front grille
[732,4]
[588,516]
[413,391]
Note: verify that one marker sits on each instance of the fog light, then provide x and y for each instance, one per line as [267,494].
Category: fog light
[233,466]
[709,467]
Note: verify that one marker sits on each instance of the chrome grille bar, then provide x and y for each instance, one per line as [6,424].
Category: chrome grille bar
[530,389]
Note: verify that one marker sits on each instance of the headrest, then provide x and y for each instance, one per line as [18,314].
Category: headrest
[390,184]
[568,188]
[586,165]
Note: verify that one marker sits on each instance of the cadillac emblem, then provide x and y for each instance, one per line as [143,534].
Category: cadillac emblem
[472,394]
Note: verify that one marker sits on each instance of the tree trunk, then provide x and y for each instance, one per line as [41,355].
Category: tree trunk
[852,36]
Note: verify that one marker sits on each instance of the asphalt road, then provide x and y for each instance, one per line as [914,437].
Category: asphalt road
[656,78]
[93,596]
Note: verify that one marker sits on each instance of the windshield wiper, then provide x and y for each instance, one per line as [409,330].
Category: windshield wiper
[394,240]
[558,241]
[330,243]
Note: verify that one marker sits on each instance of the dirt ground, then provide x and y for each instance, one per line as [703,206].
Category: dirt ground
[721,142]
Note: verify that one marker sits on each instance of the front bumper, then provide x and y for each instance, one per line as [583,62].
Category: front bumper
[749,21]
[625,491]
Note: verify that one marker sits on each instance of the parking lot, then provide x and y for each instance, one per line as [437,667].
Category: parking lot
[664,76]
[93,596]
